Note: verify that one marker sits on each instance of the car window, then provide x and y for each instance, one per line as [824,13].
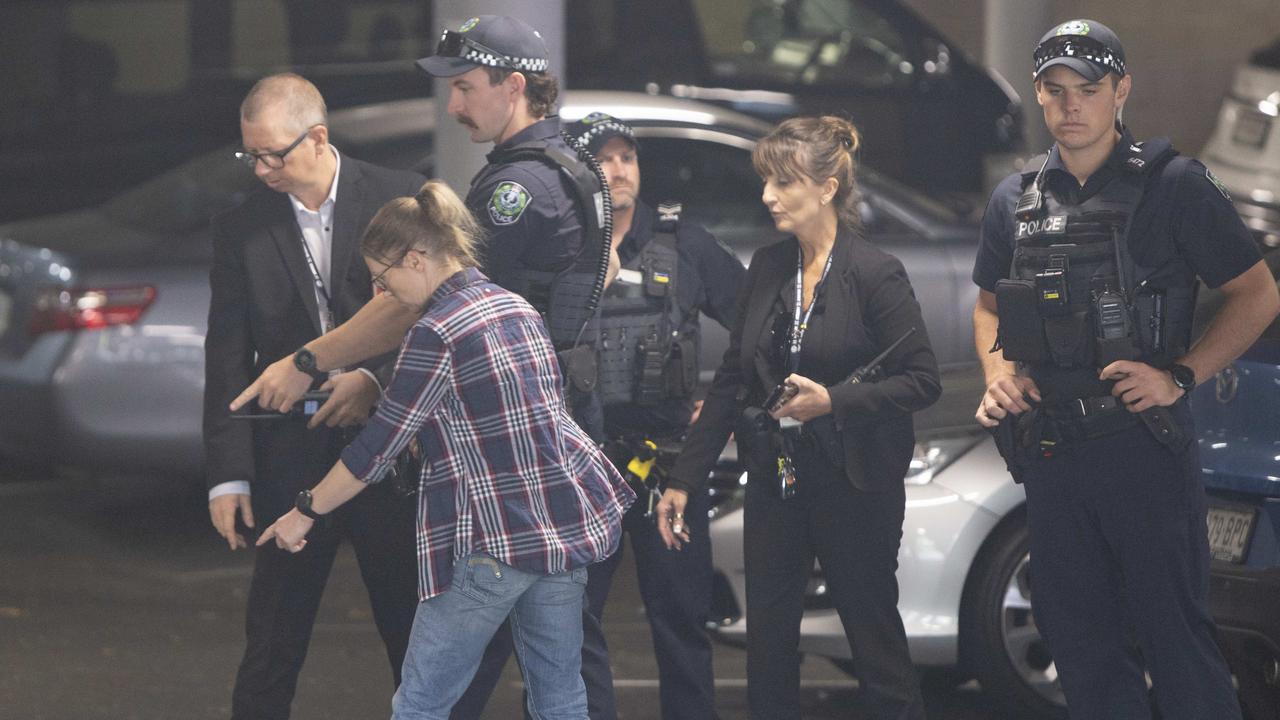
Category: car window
[1267,57]
[714,182]
[720,190]
[813,42]
[184,199]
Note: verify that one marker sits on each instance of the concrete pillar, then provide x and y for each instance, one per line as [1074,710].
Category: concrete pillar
[457,159]
[1011,29]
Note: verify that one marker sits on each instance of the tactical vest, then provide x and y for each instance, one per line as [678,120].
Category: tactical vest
[648,348]
[568,298]
[1076,300]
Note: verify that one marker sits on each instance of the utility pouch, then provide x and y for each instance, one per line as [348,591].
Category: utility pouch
[1020,332]
[1165,428]
[822,433]
[579,367]
[682,369]
[651,361]
[755,434]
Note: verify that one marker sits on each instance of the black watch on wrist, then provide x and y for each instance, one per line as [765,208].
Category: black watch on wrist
[305,360]
[1184,377]
[303,504]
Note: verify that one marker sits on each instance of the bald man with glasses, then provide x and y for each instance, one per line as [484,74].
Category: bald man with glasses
[286,270]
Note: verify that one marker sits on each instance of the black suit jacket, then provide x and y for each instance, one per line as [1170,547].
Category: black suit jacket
[868,305]
[263,308]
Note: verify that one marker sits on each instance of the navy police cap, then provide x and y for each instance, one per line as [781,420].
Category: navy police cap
[1086,46]
[498,41]
[598,128]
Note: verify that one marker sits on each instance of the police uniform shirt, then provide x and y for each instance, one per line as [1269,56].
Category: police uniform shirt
[707,281]
[527,210]
[1190,208]
[709,274]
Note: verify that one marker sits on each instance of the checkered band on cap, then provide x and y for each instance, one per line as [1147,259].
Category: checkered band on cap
[480,57]
[611,127]
[1081,48]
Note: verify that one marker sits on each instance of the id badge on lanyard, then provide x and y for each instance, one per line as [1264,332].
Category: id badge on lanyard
[799,323]
[326,316]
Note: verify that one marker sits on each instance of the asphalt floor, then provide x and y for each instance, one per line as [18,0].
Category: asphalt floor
[119,602]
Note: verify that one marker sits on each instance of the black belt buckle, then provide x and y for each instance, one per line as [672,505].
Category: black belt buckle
[1093,406]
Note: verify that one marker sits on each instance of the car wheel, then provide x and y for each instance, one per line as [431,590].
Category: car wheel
[1259,699]
[999,640]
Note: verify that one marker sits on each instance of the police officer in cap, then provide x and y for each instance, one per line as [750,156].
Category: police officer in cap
[545,238]
[1087,266]
[672,270]
[543,206]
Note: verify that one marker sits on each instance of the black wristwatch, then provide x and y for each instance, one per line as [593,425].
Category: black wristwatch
[303,504]
[305,360]
[1184,377]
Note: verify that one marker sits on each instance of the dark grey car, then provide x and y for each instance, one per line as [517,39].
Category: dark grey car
[102,311]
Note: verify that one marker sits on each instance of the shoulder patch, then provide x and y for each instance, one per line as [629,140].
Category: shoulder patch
[1218,184]
[508,202]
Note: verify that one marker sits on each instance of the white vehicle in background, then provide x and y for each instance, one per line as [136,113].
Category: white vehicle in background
[963,567]
[1244,150]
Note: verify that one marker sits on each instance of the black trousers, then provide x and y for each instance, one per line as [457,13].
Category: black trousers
[855,536]
[1120,579]
[284,596]
[676,589]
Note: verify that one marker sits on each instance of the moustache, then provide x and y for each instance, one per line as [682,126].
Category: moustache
[464,120]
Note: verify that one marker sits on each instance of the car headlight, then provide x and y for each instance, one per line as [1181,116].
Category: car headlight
[934,454]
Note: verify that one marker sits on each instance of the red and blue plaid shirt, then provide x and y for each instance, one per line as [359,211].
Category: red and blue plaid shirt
[507,471]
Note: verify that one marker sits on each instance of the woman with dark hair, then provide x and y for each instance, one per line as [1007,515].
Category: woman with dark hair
[514,500]
[825,457]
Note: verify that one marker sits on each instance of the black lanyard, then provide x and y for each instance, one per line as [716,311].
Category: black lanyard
[327,321]
[799,324]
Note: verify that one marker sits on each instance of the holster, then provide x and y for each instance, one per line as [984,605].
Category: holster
[821,433]
[1018,441]
[758,441]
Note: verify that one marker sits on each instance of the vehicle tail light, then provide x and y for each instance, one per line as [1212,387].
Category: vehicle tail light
[89,309]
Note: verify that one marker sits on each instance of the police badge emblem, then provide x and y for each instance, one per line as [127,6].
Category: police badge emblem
[1075,27]
[508,203]
[1217,183]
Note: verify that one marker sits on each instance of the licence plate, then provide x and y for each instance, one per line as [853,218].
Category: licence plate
[6,306]
[1229,531]
[1252,129]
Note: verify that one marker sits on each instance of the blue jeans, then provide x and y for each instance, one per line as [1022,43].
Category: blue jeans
[451,630]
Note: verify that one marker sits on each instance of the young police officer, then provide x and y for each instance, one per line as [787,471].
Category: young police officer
[671,271]
[1087,268]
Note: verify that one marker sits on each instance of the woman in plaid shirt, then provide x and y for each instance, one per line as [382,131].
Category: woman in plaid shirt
[514,499]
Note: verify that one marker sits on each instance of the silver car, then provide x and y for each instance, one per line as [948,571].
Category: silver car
[102,320]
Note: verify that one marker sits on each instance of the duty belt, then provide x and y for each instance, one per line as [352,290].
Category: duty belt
[1073,421]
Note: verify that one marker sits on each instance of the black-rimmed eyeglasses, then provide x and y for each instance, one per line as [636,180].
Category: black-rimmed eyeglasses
[453,44]
[380,280]
[273,160]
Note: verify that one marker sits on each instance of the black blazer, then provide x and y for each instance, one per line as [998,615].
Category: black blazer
[263,308]
[869,304]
